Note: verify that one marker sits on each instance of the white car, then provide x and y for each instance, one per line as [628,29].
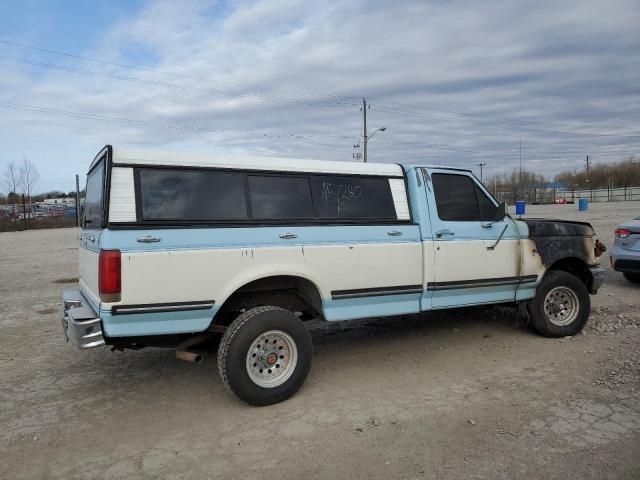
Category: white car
[625,254]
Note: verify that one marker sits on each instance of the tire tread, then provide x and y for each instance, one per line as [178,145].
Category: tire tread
[230,334]
[538,320]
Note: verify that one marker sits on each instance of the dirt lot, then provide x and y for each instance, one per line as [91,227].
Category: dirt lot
[463,394]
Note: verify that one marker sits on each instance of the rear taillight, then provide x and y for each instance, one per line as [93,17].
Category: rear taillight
[622,233]
[109,275]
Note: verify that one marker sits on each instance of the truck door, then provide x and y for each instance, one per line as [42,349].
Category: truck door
[476,256]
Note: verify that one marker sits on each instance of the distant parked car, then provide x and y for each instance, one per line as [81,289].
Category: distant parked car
[625,255]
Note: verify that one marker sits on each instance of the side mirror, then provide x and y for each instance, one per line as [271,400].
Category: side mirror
[501,212]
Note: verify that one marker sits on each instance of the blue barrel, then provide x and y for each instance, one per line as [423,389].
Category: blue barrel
[583,205]
[519,207]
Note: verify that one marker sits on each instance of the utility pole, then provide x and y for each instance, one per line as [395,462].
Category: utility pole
[588,165]
[481,165]
[77,200]
[587,180]
[520,177]
[366,135]
[364,123]
[24,212]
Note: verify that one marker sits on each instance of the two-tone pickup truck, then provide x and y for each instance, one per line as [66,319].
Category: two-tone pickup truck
[177,248]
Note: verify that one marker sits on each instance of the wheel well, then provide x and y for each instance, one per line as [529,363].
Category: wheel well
[295,294]
[575,267]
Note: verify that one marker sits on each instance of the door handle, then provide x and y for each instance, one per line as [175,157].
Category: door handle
[487,225]
[445,231]
[148,239]
[91,238]
[394,233]
[288,236]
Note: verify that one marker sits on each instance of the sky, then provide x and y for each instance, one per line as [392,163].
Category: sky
[454,82]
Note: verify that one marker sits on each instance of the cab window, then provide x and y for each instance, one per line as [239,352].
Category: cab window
[460,199]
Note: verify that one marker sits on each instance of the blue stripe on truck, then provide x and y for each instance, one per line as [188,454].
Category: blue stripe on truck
[250,237]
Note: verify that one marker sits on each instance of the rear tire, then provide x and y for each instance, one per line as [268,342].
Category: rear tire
[632,277]
[265,355]
[561,306]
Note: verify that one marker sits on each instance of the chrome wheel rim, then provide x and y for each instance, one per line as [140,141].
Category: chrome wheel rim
[561,306]
[271,359]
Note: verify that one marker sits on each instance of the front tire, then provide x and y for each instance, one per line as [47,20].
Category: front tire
[632,277]
[561,306]
[265,355]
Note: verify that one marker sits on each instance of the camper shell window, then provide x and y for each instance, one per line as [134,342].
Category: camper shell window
[211,196]
[94,196]
[192,195]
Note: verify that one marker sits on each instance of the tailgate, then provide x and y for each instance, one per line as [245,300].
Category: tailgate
[89,253]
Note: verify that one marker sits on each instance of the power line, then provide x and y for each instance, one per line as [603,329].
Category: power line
[395,139]
[417,109]
[175,75]
[509,126]
[180,126]
[173,85]
[536,154]
[246,133]
[413,109]
[152,123]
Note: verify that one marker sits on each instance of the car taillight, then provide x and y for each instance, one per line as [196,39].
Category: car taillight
[622,233]
[109,275]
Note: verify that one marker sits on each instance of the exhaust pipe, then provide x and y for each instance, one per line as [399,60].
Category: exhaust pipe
[183,354]
[189,356]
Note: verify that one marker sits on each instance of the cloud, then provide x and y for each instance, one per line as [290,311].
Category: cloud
[454,83]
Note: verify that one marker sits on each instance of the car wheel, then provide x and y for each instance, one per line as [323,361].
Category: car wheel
[632,277]
[265,355]
[561,306]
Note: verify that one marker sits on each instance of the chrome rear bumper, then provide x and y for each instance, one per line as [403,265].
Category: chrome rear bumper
[80,323]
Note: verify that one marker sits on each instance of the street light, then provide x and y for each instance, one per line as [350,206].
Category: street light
[368,137]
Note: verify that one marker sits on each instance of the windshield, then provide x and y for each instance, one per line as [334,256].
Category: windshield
[93,208]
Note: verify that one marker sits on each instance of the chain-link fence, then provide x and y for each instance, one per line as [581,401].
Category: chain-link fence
[554,195]
[24,217]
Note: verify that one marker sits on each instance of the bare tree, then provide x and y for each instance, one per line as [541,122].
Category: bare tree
[625,173]
[29,177]
[11,180]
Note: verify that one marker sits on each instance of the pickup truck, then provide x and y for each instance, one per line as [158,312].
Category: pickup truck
[180,249]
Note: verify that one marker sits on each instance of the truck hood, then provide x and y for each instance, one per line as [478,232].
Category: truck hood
[544,227]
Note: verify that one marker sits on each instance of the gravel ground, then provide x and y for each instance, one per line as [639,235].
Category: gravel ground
[468,393]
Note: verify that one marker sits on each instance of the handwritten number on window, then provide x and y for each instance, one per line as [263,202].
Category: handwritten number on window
[339,194]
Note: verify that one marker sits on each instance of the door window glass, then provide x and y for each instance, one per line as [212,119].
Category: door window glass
[486,206]
[455,197]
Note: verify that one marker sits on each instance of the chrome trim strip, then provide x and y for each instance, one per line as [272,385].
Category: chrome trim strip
[482,282]
[375,292]
[161,307]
